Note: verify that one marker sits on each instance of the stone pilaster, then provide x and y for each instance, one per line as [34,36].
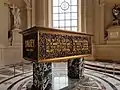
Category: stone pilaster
[97,23]
[102,21]
[29,21]
[33,13]
[29,12]
[41,13]
[82,14]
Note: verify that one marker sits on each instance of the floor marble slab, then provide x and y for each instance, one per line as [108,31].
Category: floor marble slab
[60,81]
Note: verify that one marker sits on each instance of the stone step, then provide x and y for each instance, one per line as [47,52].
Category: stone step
[103,67]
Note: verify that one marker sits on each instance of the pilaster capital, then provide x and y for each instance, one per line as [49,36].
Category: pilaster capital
[101,2]
[28,4]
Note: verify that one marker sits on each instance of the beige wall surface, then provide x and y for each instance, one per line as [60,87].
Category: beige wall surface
[108,15]
[3,24]
[10,54]
[98,19]
[108,52]
[113,1]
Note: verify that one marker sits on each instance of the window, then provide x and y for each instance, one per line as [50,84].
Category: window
[65,14]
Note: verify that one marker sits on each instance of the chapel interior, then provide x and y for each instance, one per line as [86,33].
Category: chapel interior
[69,45]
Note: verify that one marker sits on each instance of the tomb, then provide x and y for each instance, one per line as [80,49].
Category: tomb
[43,46]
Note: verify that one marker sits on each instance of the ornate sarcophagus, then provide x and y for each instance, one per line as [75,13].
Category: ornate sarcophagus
[47,44]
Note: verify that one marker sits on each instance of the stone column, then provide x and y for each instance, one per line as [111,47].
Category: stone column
[46,6]
[29,13]
[82,13]
[29,17]
[102,22]
[89,16]
[33,13]
[97,22]
[49,13]
[41,13]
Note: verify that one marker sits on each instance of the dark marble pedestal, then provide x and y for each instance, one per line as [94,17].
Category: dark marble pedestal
[49,87]
[76,68]
[42,77]
[42,73]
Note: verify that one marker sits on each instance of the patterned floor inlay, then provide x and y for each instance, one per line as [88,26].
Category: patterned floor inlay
[1,78]
[113,87]
[25,69]
[6,83]
[97,80]
[90,84]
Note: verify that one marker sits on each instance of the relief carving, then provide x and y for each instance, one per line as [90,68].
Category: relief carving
[116,15]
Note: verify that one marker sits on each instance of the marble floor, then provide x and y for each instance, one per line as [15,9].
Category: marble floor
[95,80]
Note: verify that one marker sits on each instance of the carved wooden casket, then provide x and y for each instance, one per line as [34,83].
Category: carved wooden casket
[47,44]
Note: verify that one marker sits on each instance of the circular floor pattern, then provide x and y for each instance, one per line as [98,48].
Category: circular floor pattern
[100,81]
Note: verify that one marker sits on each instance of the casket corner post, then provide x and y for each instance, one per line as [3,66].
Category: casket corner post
[30,45]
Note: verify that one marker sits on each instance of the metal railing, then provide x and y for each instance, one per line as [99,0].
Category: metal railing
[16,69]
[86,87]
